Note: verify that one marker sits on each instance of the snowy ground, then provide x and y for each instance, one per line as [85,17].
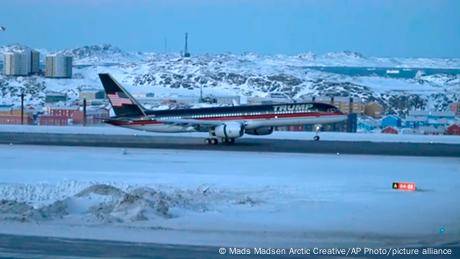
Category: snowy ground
[331,136]
[227,198]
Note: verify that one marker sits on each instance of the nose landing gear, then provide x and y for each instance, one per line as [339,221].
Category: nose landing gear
[317,129]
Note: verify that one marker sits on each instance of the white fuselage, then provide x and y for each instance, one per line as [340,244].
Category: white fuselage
[155,126]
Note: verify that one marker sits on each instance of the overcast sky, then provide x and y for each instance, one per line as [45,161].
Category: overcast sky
[399,28]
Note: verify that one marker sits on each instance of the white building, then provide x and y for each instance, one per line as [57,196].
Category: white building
[21,63]
[17,63]
[58,66]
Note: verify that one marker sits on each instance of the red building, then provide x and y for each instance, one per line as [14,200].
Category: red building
[453,129]
[97,116]
[77,117]
[15,119]
[390,130]
[53,120]
[63,111]
[455,107]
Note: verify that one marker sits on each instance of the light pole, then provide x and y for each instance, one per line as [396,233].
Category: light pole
[22,108]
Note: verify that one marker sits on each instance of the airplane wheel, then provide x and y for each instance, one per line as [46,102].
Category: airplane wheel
[316,138]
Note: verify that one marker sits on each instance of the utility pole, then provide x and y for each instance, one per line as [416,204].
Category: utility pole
[84,112]
[201,93]
[22,108]
[186,53]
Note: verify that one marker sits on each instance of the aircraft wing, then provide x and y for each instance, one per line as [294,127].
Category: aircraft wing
[192,122]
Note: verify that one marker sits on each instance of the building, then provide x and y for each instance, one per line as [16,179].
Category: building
[11,115]
[97,115]
[433,114]
[63,111]
[453,129]
[429,118]
[17,64]
[91,95]
[94,115]
[6,108]
[455,108]
[21,63]
[408,131]
[54,97]
[78,117]
[415,122]
[62,116]
[34,61]
[391,121]
[15,119]
[367,124]
[431,130]
[345,104]
[58,66]
[53,120]
[75,115]
[390,130]
[348,105]
[271,98]
[373,109]
[228,100]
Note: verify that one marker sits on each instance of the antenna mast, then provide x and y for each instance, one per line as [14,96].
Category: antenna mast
[186,53]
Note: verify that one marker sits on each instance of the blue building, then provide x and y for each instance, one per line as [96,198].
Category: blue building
[367,124]
[436,119]
[391,121]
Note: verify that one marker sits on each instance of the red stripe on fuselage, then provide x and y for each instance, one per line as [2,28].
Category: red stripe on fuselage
[227,118]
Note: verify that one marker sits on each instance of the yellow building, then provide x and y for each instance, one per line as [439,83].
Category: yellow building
[373,109]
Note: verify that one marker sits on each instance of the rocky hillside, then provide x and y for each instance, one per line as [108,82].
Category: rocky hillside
[248,74]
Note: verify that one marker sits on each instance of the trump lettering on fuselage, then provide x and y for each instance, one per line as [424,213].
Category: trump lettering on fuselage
[292,107]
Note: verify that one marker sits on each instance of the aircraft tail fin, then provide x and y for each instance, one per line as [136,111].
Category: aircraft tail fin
[123,104]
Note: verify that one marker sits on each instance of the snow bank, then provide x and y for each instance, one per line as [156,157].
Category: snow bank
[227,198]
[103,203]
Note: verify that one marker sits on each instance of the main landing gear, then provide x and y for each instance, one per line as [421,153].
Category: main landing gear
[211,141]
[214,141]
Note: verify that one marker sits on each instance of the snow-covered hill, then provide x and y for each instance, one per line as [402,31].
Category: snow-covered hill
[100,55]
[248,74]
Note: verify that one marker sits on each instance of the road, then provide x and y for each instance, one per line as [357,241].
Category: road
[243,144]
[41,247]
[15,246]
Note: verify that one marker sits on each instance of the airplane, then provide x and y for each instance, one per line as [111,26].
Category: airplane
[225,123]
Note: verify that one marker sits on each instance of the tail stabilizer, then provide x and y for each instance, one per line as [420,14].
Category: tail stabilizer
[123,104]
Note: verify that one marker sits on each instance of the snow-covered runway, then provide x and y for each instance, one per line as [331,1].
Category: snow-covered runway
[231,198]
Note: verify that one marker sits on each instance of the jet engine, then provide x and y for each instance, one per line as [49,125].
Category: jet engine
[260,131]
[229,130]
